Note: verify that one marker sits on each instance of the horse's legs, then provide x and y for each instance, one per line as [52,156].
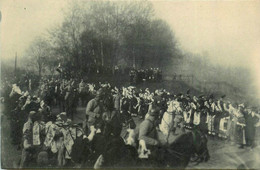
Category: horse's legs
[174,129]
[182,127]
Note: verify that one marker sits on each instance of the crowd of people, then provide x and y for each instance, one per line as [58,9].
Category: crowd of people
[141,75]
[39,130]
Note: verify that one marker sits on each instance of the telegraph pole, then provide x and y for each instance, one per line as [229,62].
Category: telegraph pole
[15,63]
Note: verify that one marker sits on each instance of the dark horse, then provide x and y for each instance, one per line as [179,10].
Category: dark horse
[179,153]
[13,99]
[175,155]
[110,146]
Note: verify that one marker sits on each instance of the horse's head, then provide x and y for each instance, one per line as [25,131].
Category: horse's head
[200,146]
[15,92]
[174,106]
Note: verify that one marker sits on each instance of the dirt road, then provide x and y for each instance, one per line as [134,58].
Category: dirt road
[223,155]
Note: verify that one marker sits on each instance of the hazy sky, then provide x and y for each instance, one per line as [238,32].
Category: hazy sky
[228,31]
[23,20]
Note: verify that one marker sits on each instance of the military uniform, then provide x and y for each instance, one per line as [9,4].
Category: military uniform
[93,112]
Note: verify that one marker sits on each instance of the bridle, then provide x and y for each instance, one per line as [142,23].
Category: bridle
[176,111]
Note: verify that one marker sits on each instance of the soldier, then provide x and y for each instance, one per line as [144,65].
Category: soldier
[83,92]
[93,111]
[117,97]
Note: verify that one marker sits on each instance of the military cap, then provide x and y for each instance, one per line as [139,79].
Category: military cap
[154,112]
[211,96]
[179,94]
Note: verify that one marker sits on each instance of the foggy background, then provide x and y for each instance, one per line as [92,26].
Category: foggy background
[217,41]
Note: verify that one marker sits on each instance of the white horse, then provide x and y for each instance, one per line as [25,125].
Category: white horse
[168,117]
[16,92]
[131,138]
[143,152]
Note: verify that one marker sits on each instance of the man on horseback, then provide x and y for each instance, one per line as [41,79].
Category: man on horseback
[148,131]
[178,117]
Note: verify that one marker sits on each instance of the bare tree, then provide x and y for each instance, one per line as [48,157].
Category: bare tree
[101,33]
[38,54]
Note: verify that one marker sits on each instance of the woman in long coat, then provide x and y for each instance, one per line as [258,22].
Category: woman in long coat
[251,120]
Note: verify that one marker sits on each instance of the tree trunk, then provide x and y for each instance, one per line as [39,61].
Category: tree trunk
[102,55]
[133,57]
[40,71]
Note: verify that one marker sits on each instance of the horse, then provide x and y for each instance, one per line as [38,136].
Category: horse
[14,96]
[167,121]
[179,153]
[13,112]
[113,151]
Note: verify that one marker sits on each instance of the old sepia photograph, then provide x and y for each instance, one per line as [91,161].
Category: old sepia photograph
[165,84]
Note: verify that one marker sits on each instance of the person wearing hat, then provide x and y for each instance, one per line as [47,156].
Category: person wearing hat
[62,119]
[82,91]
[218,115]
[240,130]
[251,120]
[93,111]
[124,107]
[45,111]
[133,104]
[147,129]
[178,117]
[231,125]
[212,115]
[155,103]
[32,138]
[117,98]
